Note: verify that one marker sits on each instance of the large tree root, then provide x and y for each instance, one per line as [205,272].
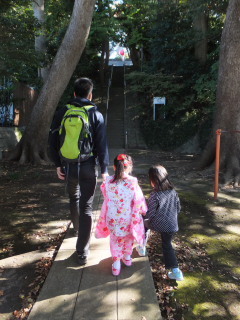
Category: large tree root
[29,153]
[229,161]
[208,156]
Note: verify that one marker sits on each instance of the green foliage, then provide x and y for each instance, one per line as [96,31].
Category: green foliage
[18,28]
[104,25]
[207,230]
[205,86]
[172,71]
[161,39]
[18,59]
[169,134]
[188,110]
[57,17]
[172,38]
[136,19]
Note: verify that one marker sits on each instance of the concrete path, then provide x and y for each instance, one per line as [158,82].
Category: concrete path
[71,292]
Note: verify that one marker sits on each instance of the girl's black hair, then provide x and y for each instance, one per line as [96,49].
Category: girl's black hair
[158,176]
[120,166]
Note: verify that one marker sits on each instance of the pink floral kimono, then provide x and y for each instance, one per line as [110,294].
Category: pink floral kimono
[120,215]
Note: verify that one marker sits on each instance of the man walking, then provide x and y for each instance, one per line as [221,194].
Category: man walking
[81,176]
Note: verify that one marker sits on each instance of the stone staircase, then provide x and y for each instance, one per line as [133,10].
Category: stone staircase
[123,129]
[115,114]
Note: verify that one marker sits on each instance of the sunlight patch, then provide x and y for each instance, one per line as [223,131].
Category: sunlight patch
[209,309]
[228,197]
[233,229]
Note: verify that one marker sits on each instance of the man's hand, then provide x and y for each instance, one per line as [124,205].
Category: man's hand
[104,176]
[61,175]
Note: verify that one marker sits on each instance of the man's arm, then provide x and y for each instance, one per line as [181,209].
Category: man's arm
[100,141]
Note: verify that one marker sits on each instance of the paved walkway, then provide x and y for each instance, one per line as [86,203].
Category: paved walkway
[91,292]
[71,292]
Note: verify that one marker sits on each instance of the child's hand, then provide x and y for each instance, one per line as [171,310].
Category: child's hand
[104,176]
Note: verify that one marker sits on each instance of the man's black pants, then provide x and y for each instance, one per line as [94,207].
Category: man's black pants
[81,185]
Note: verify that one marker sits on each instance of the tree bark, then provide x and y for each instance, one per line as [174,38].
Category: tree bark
[104,61]
[40,40]
[135,56]
[227,115]
[200,26]
[33,145]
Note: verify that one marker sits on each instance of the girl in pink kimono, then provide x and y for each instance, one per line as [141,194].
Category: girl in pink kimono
[121,212]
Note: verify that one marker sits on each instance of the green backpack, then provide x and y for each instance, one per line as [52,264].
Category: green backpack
[75,136]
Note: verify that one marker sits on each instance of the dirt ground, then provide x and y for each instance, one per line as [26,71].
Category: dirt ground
[34,218]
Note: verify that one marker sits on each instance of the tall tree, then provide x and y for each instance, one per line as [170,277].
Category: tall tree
[136,18]
[200,25]
[40,39]
[227,115]
[33,145]
[17,55]
[103,31]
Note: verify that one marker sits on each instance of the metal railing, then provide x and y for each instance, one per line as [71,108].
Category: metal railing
[6,103]
[108,89]
[125,104]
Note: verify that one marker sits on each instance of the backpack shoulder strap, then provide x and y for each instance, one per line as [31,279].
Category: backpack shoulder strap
[70,106]
[85,108]
[88,107]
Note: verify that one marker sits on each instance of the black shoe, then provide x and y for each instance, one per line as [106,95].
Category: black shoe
[82,259]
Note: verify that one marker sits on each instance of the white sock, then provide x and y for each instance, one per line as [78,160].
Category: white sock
[127,256]
[117,264]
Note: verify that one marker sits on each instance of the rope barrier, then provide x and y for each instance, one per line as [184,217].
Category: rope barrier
[231,131]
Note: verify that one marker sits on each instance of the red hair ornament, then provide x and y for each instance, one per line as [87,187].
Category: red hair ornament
[123,157]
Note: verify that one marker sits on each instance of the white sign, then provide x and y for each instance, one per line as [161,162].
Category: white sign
[159,100]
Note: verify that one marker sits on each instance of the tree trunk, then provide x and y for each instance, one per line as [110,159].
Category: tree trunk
[40,40]
[227,115]
[135,56]
[33,145]
[200,27]
[104,58]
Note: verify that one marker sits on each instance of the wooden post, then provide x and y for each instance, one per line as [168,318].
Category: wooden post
[217,162]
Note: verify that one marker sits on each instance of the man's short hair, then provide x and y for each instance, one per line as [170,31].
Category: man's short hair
[82,87]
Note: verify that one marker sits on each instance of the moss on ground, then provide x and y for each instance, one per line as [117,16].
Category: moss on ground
[214,292]
[204,295]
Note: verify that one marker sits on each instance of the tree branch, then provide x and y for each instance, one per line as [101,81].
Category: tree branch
[36,2]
